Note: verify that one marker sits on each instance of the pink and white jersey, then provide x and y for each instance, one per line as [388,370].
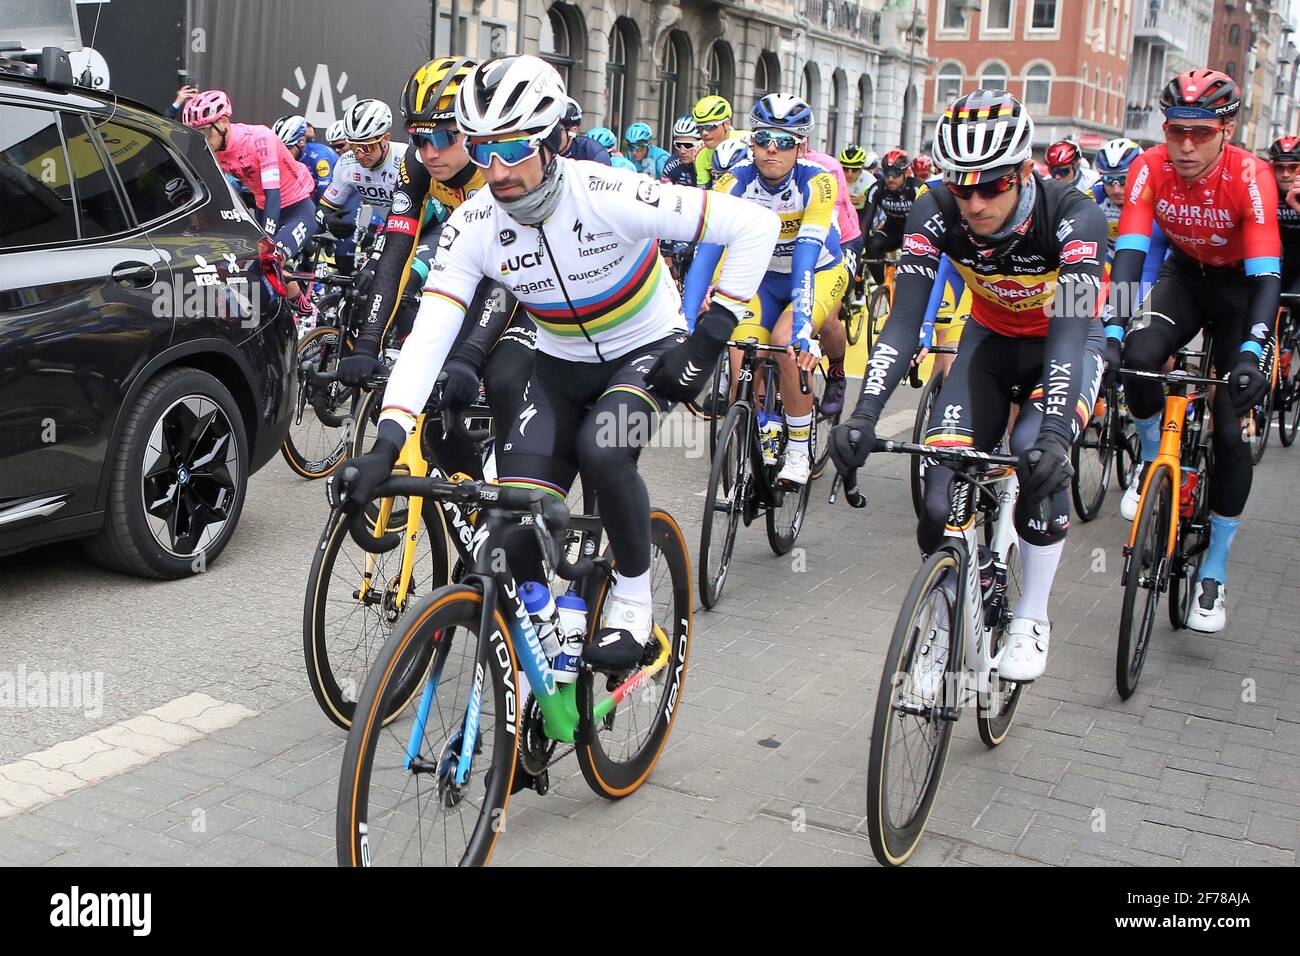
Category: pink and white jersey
[256,157]
[844,211]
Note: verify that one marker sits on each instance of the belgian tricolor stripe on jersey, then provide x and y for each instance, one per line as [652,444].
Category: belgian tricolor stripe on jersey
[602,312]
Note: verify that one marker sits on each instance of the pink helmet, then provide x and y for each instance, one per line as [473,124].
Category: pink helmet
[204,109]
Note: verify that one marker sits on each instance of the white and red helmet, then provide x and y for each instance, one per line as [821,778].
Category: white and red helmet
[204,109]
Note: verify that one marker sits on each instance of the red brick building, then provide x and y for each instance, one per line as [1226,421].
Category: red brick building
[1067,60]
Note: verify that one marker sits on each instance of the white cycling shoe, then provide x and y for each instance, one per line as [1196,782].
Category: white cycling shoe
[618,645]
[1024,655]
[797,467]
[1128,505]
[1208,614]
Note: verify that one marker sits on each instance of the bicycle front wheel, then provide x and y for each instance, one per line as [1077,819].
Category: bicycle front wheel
[400,802]
[997,703]
[1288,392]
[878,308]
[729,478]
[918,464]
[909,735]
[353,602]
[1144,579]
[631,718]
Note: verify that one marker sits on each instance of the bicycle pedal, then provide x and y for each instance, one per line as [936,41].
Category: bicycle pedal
[948,713]
[542,783]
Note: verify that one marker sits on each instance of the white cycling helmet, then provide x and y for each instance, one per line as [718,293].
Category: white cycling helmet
[730,152]
[685,128]
[511,94]
[983,135]
[368,119]
[337,132]
[292,130]
[873,161]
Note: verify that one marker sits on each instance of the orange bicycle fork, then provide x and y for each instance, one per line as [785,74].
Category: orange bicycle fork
[1169,455]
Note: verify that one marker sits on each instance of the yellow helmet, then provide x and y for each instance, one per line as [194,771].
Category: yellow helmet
[711,109]
[853,157]
[429,97]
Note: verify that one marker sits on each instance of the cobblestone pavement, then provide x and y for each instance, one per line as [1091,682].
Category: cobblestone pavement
[207,747]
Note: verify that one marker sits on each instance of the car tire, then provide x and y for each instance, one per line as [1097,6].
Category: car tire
[186,428]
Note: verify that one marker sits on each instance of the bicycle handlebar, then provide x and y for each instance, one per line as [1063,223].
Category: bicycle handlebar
[1177,376]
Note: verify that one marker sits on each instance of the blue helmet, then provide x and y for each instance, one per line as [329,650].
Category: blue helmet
[729,153]
[784,112]
[1116,156]
[638,134]
[604,136]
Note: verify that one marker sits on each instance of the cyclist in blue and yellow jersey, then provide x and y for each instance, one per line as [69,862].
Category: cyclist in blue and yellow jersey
[604,137]
[806,278]
[648,158]
[713,119]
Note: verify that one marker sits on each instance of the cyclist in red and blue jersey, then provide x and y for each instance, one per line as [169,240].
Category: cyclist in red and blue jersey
[1284,157]
[1217,204]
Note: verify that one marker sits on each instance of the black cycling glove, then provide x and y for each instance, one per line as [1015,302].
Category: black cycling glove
[681,372]
[1045,468]
[848,453]
[372,468]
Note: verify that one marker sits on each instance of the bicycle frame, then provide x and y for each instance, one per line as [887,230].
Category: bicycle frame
[976,637]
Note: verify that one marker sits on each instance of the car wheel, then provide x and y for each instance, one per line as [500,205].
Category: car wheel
[177,479]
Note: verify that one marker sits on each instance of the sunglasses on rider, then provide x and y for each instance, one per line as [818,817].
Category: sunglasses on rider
[1287,169]
[988,190]
[511,152]
[686,144]
[782,141]
[707,127]
[369,146]
[439,139]
[1176,132]
[1061,172]
[1114,180]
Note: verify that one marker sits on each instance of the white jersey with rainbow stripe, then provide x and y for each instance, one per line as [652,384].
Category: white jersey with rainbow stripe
[590,276]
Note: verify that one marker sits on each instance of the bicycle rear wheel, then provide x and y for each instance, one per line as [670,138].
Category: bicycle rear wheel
[321,431]
[917,465]
[1262,417]
[729,481]
[1128,447]
[786,519]
[395,810]
[909,737]
[855,315]
[344,629]
[1193,538]
[626,742]
[1092,457]
[1146,576]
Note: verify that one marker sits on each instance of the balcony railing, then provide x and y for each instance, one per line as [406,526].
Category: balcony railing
[842,16]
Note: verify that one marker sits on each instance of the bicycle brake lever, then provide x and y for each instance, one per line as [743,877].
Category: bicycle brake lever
[543,542]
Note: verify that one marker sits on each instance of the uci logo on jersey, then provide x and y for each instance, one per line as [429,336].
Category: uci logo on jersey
[529,260]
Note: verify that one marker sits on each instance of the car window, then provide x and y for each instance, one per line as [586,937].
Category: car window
[101,210]
[35,193]
[156,183]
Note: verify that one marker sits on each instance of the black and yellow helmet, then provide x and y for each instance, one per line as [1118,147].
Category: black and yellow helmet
[429,97]
[711,109]
[853,157]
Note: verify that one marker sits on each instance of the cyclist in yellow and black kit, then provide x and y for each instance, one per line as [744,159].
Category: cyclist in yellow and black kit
[496,343]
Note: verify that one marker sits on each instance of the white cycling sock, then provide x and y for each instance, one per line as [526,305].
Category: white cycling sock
[800,429]
[1038,563]
[633,590]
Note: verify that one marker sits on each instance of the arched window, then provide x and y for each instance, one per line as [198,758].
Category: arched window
[556,44]
[767,74]
[621,74]
[810,88]
[907,135]
[994,76]
[1234,34]
[1096,85]
[674,82]
[863,122]
[1231,69]
[722,70]
[947,85]
[1038,85]
[839,86]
